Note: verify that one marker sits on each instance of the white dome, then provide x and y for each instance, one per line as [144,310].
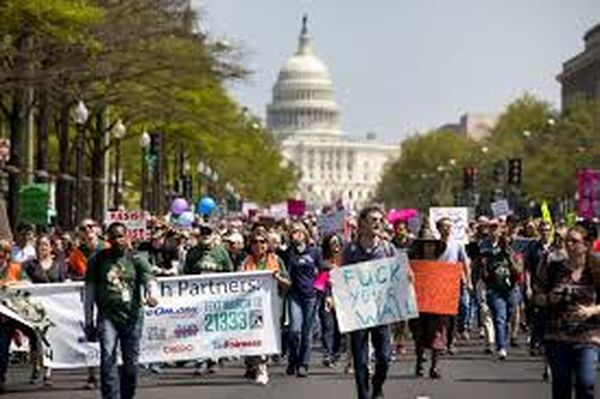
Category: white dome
[303,100]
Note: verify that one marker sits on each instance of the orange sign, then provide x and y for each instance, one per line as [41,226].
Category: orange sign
[437,286]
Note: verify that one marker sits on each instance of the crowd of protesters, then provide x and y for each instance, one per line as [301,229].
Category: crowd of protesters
[519,278]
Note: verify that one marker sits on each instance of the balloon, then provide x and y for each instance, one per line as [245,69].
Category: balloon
[179,205]
[206,206]
[186,219]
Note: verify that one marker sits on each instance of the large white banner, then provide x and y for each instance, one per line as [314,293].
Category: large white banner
[208,316]
[373,293]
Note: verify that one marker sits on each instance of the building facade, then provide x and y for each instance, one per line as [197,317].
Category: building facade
[306,117]
[475,126]
[581,74]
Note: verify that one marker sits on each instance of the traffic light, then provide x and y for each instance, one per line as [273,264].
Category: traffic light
[499,172]
[470,177]
[515,172]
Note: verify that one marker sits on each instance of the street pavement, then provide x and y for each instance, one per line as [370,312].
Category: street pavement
[468,374]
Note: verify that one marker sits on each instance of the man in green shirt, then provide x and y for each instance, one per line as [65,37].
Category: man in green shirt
[113,282]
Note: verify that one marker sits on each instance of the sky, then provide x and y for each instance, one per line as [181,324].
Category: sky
[406,66]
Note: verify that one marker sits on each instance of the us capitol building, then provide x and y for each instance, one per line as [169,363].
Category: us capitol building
[306,118]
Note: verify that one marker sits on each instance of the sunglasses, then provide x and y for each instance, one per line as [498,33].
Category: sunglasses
[259,241]
[88,226]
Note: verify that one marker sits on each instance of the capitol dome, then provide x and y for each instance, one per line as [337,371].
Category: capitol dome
[303,98]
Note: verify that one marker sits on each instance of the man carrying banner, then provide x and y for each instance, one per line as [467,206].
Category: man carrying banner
[368,246]
[113,283]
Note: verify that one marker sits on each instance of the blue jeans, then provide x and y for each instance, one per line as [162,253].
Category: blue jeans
[465,314]
[568,360]
[302,318]
[501,306]
[6,330]
[330,332]
[359,344]
[123,385]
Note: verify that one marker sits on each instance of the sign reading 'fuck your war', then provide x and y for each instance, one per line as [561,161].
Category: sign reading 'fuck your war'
[373,293]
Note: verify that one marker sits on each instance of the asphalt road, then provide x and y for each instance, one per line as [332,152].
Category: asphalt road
[468,374]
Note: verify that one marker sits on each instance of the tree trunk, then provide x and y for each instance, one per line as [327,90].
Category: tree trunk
[17,149]
[63,182]
[97,170]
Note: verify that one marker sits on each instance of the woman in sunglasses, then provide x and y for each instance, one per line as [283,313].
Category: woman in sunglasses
[573,318]
[262,258]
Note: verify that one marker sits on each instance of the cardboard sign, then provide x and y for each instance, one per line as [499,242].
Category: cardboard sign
[501,208]
[296,207]
[279,211]
[459,216]
[134,221]
[373,293]
[33,204]
[437,286]
[588,193]
[331,223]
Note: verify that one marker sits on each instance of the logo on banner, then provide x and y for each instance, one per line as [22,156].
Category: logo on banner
[178,349]
[186,312]
[156,334]
[186,330]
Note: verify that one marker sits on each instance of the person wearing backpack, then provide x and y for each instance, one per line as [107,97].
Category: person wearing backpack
[500,271]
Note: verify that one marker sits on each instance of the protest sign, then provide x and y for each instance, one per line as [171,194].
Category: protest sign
[501,208]
[134,221]
[373,293]
[279,211]
[437,286]
[208,316]
[33,204]
[296,207]
[588,193]
[459,216]
[330,223]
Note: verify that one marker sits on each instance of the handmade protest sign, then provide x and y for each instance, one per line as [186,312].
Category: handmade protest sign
[331,223]
[33,204]
[501,208]
[373,293]
[134,221]
[208,316]
[437,286]
[459,216]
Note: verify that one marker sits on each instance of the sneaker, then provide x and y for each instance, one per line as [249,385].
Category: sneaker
[262,376]
[48,382]
[502,354]
[302,372]
[251,373]
[465,336]
[451,350]
[348,369]
[155,368]
[514,343]
[91,385]
[326,363]
[435,374]
[378,395]
[488,351]
[290,370]
[35,376]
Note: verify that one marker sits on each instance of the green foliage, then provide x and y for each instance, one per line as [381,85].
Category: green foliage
[140,61]
[551,145]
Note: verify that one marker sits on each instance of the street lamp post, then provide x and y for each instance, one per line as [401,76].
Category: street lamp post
[81,117]
[145,142]
[118,132]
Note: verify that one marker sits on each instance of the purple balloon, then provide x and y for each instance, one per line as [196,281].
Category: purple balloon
[179,205]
